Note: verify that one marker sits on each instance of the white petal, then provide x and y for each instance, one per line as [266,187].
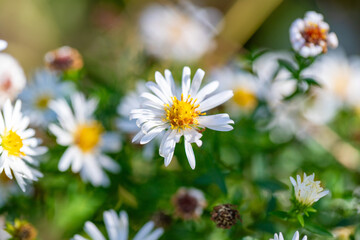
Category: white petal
[190,154]
[93,231]
[215,100]
[185,82]
[195,85]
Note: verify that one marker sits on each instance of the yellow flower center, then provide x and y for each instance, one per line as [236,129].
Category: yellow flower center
[43,101]
[88,136]
[245,98]
[12,143]
[182,113]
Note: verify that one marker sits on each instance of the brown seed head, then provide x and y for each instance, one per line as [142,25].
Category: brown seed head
[225,216]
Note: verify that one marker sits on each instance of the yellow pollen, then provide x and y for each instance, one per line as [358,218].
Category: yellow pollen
[245,98]
[182,113]
[88,136]
[12,143]
[43,101]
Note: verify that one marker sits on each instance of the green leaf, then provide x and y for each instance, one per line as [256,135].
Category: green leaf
[301,220]
[318,229]
[280,214]
[287,65]
[311,81]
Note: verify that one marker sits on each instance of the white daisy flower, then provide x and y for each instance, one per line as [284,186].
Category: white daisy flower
[179,113]
[46,86]
[117,227]
[182,32]
[246,88]
[18,145]
[307,191]
[12,78]
[3,44]
[295,237]
[86,140]
[310,36]
[339,77]
[133,101]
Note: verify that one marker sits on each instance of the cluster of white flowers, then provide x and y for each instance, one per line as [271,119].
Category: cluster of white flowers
[307,190]
[117,229]
[310,36]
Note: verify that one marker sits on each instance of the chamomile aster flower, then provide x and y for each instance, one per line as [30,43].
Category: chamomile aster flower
[179,113]
[12,78]
[339,77]
[181,32]
[295,237]
[307,190]
[246,88]
[310,36]
[3,44]
[86,140]
[18,145]
[117,227]
[46,86]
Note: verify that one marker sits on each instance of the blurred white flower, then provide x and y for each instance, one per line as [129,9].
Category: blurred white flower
[181,32]
[307,191]
[339,77]
[12,78]
[18,145]
[310,36]
[86,140]
[133,101]
[179,113]
[189,203]
[246,88]
[295,237]
[3,44]
[117,227]
[276,84]
[46,86]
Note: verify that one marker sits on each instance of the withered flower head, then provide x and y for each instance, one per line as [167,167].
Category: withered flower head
[21,230]
[64,59]
[225,216]
[161,219]
[189,203]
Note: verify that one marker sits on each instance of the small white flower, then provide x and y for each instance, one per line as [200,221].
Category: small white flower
[307,191]
[46,86]
[181,32]
[117,227]
[339,77]
[18,145]
[86,140]
[179,113]
[133,101]
[12,78]
[246,88]
[310,36]
[3,45]
[295,237]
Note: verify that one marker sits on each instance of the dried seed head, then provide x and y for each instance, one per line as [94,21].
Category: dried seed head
[225,216]
[189,203]
[161,219]
[64,59]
